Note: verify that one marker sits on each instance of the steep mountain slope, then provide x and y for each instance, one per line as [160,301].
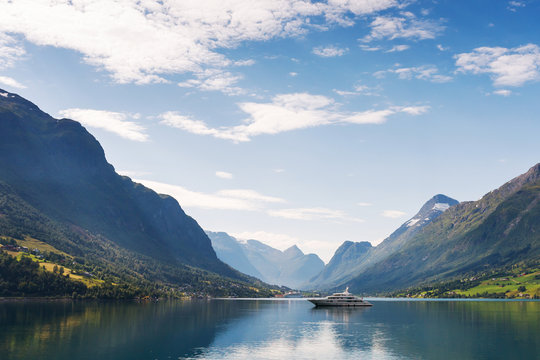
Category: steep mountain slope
[500,229]
[231,252]
[290,267]
[352,258]
[347,257]
[54,171]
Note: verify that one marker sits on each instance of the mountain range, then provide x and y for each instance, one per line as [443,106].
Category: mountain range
[500,229]
[57,190]
[57,187]
[289,268]
[351,258]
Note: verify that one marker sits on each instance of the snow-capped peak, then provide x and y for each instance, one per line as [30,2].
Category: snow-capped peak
[441,206]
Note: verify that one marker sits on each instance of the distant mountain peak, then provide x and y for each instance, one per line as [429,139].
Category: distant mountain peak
[430,211]
[293,250]
[290,267]
[438,202]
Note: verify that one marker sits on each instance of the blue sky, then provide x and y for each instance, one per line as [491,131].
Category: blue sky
[291,122]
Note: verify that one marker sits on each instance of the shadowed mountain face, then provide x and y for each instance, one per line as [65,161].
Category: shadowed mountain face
[58,171]
[500,229]
[290,267]
[352,258]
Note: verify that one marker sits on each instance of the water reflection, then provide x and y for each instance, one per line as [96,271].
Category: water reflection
[226,329]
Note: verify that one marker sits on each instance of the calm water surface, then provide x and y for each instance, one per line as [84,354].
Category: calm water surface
[264,329]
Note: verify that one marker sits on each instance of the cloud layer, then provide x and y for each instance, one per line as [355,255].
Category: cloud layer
[144,41]
[424,72]
[329,51]
[285,112]
[235,199]
[507,67]
[114,122]
[8,81]
[406,26]
[10,51]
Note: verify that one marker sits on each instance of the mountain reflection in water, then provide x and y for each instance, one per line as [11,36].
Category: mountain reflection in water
[264,329]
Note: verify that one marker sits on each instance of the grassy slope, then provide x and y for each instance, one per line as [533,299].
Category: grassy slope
[91,253]
[504,282]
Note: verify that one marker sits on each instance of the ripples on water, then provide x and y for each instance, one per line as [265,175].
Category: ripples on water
[263,329]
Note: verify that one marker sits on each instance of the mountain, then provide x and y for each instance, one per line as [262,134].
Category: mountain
[289,268]
[230,251]
[352,258]
[500,229]
[57,187]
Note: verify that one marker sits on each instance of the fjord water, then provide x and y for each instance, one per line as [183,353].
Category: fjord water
[265,329]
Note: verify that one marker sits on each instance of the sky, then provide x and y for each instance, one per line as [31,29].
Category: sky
[290,121]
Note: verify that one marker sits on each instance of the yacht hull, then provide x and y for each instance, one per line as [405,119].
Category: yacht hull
[325,302]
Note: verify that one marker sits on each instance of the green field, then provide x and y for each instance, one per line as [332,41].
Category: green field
[48,265]
[508,285]
[518,281]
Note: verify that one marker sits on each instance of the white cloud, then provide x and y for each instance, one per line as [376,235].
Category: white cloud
[364,204]
[286,112]
[370,48]
[442,48]
[317,213]
[224,175]
[10,50]
[503,92]
[215,80]
[114,122]
[338,8]
[394,214]
[405,27]
[145,41]
[425,72]
[398,48]
[359,89]
[5,80]
[247,62]
[247,194]
[329,51]
[414,110]
[507,67]
[241,199]
[514,5]
[186,123]
[345,92]
[293,74]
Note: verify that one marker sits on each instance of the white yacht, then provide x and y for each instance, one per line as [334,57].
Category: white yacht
[340,299]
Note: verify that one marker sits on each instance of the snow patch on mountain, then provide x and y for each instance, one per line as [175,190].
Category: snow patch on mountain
[412,222]
[441,206]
